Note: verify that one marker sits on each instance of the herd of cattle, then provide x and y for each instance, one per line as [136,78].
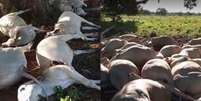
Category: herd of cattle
[54,56]
[158,69]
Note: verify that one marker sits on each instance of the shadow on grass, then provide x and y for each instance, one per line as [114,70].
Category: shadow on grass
[120,27]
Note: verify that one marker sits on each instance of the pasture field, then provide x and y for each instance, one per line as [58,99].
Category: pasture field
[143,25]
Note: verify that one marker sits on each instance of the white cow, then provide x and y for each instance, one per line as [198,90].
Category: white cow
[158,70]
[143,90]
[59,75]
[191,52]
[187,77]
[139,55]
[54,48]
[122,71]
[16,29]
[70,5]
[12,65]
[70,23]
[169,50]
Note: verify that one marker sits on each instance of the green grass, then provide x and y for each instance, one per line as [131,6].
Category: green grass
[188,26]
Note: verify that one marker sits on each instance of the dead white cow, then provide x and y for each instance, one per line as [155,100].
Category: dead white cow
[77,6]
[158,42]
[187,77]
[15,27]
[129,37]
[109,50]
[143,90]
[169,50]
[70,23]
[197,60]
[158,70]
[139,55]
[176,59]
[127,45]
[70,5]
[196,41]
[12,65]
[192,46]
[191,52]
[58,75]
[122,71]
[55,48]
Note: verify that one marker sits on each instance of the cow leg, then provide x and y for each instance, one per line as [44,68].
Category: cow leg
[9,42]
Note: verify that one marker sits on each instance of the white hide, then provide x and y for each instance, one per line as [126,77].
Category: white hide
[70,5]
[12,65]
[70,23]
[15,27]
[59,75]
[11,20]
[55,48]
[21,35]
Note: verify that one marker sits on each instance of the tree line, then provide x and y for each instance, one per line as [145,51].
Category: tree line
[132,6]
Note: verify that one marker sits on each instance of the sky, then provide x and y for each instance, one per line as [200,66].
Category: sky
[171,6]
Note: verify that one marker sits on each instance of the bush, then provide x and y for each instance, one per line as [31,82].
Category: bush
[161,11]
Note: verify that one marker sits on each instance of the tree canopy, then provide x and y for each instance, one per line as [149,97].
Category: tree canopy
[161,11]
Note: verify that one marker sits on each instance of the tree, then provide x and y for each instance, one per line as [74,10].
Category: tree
[144,11]
[190,3]
[121,6]
[161,11]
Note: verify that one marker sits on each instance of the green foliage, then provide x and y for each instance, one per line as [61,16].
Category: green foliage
[121,6]
[121,26]
[188,26]
[190,4]
[161,11]
[73,94]
[67,98]
[59,92]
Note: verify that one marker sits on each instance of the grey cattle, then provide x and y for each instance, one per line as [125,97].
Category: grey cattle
[143,90]
[158,70]
[122,71]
